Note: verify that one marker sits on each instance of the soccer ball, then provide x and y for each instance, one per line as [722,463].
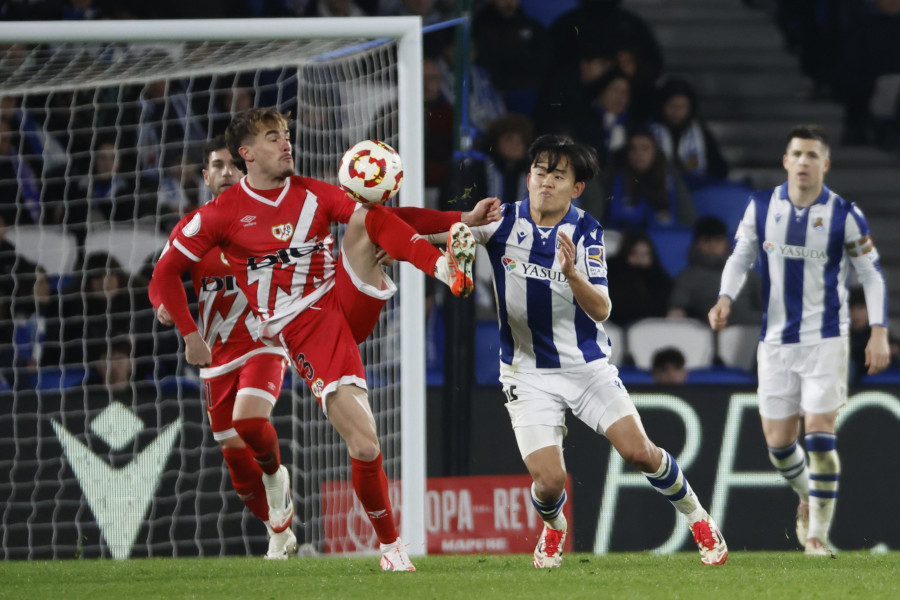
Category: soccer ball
[371,172]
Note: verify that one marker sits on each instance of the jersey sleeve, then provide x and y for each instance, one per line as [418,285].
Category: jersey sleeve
[590,257]
[742,257]
[427,220]
[190,241]
[865,260]
[153,289]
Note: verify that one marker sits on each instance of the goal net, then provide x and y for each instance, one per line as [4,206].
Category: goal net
[104,432]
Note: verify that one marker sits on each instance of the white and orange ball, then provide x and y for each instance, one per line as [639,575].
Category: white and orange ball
[371,172]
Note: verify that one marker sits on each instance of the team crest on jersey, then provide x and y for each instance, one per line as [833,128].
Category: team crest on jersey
[508,263]
[817,224]
[594,260]
[283,232]
[317,388]
[193,227]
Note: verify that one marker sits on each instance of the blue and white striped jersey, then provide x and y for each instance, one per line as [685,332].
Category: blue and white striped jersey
[805,254]
[541,324]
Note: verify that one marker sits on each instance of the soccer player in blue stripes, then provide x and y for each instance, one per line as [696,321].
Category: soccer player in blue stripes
[550,282]
[806,236]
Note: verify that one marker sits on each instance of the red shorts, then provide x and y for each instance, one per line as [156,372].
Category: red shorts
[262,376]
[323,341]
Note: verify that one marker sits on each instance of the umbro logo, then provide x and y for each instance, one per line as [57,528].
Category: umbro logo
[249,220]
[377,514]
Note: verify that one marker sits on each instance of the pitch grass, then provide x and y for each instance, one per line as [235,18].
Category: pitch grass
[751,575]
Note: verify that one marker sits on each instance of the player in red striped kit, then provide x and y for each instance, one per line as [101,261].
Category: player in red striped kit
[274,230]
[244,376]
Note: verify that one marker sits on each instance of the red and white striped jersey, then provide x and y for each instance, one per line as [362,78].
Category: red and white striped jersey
[226,320]
[278,243]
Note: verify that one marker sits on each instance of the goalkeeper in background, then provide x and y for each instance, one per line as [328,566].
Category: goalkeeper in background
[274,229]
[243,379]
[806,238]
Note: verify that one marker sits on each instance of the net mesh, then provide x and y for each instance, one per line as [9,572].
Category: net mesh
[103,430]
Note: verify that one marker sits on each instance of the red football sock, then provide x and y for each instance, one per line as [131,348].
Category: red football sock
[371,487]
[260,436]
[399,239]
[246,477]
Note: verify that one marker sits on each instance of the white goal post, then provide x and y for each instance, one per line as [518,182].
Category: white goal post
[83,73]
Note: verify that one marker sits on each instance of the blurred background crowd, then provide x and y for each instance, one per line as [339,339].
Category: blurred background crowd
[669,199]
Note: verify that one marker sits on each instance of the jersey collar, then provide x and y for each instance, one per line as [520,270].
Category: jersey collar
[263,199]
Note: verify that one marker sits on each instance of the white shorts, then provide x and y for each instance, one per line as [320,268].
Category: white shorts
[594,393]
[796,379]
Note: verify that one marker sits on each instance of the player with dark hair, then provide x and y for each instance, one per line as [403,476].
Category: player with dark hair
[552,297]
[806,237]
[274,230]
[243,378]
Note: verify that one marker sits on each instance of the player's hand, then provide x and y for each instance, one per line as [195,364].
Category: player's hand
[382,257]
[486,211]
[718,314]
[163,316]
[196,352]
[566,254]
[878,353]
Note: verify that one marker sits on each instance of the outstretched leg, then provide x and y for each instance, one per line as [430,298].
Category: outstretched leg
[374,226]
[630,440]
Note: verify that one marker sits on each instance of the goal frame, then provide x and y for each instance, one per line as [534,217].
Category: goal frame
[408,32]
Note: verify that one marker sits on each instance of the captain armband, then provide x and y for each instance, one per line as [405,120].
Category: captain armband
[860,247]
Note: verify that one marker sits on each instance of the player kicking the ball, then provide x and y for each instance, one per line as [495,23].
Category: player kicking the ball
[550,281]
[273,229]
[243,379]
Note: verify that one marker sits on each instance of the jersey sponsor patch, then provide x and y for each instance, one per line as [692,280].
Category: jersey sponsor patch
[801,252]
[193,227]
[594,260]
[533,271]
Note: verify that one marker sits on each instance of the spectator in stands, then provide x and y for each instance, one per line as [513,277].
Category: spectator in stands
[512,46]
[20,197]
[604,20]
[177,192]
[166,126]
[642,190]
[505,147]
[870,49]
[607,130]
[100,196]
[485,101]
[332,8]
[564,102]
[95,308]
[668,367]
[113,367]
[438,132]
[639,287]
[697,286]
[684,138]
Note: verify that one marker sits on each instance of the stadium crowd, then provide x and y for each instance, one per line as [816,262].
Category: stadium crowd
[595,73]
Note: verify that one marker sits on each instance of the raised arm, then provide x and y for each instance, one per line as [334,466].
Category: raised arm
[593,299]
